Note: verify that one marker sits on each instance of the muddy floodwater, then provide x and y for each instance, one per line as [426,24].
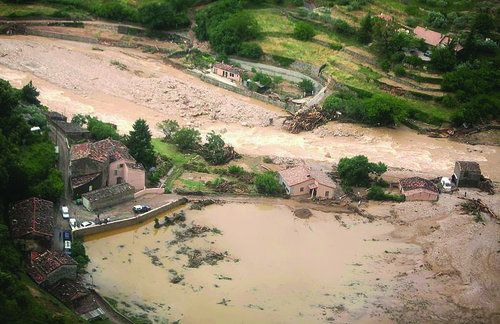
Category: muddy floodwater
[276,267]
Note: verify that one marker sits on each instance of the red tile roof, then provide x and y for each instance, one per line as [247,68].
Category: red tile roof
[300,174]
[47,262]
[417,183]
[431,37]
[227,67]
[385,17]
[32,216]
[101,151]
[80,181]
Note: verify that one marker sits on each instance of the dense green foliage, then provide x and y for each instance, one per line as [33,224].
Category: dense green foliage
[227,27]
[78,254]
[307,86]
[303,31]
[30,94]
[168,127]
[139,144]
[27,167]
[267,184]
[98,129]
[250,50]
[214,150]
[165,14]
[376,110]
[186,139]
[357,171]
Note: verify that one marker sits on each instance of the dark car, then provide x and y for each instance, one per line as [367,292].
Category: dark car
[67,235]
[139,209]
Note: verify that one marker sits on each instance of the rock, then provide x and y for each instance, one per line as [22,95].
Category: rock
[302,213]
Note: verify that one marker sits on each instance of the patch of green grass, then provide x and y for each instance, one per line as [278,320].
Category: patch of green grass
[289,47]
[369,73]
[170,151]
[194,185]
[271,20]
[26,10]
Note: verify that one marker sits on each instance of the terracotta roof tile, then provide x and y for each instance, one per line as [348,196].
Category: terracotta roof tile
[227,67]
[32,216]
[41,265]
[431,37]
[299,174]
[417,183]
[101,151]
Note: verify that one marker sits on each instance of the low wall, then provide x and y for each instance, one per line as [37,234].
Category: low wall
[80,232]
[149,191]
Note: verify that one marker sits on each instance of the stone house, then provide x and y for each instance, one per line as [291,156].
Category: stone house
[73,132]
[418,189]
[302,181]
[78,298]
[466,174]
[32,223]
[108,196]
[227,71]
[49,267]
[101,164]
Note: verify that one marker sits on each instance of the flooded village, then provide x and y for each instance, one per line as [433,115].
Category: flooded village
[198,193]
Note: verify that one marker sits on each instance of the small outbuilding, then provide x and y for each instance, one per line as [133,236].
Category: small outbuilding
[418,189]
[227,71]
[107,197]
[466,174]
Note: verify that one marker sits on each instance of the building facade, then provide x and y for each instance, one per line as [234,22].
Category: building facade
[302,181]
[466,174]
[101,164]
[227,71]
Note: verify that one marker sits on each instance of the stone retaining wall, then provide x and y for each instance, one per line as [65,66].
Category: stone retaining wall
[147,191]
[75,38]
[80,232]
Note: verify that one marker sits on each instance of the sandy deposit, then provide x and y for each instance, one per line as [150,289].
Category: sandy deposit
[73,78]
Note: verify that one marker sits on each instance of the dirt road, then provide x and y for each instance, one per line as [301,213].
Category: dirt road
[75,78]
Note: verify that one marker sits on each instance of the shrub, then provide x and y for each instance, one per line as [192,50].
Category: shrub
[228,35]
[342,27]
[443,59]
[186,139]
[336,46]
[235,169]
[303,31]
[399,70]
[267,184]
[116,10]
[377,193]
[306,86]
[250,50]
[356,171]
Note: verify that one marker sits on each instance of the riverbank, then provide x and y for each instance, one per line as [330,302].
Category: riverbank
[152,90]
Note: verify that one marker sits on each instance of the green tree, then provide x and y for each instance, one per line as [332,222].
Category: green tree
[383,110]
[307,86]
[100,130]
[168,127]
[227,36]
[443,59]
[303,31]
[250,50]
[356,171]
[139,144]
[79,119]
[483,24]
[366,29]
[30,94]
[50,188]
[267,184]
[187,139]
[215,149]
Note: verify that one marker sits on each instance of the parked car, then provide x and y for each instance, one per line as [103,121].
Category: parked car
[67,247]
[65,212]
[87,224]
[73,223]
[139,209]
[67,235]
[446,184]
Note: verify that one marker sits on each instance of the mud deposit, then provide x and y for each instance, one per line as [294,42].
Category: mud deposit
[259,264]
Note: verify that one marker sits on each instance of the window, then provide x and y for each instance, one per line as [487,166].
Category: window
[121,165]
[116,172]
[301,189]
[230,74]
[327,193]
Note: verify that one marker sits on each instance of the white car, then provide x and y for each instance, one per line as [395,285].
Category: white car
[73,223]
[446,184]
[65,212]
[86,224]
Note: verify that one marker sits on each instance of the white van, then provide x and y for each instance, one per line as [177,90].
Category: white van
[446,184]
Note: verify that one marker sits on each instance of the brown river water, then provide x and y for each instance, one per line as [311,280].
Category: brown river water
[282,269]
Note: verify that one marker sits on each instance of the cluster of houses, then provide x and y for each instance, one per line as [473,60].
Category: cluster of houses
[302,181]
[32,228]
[101,173]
